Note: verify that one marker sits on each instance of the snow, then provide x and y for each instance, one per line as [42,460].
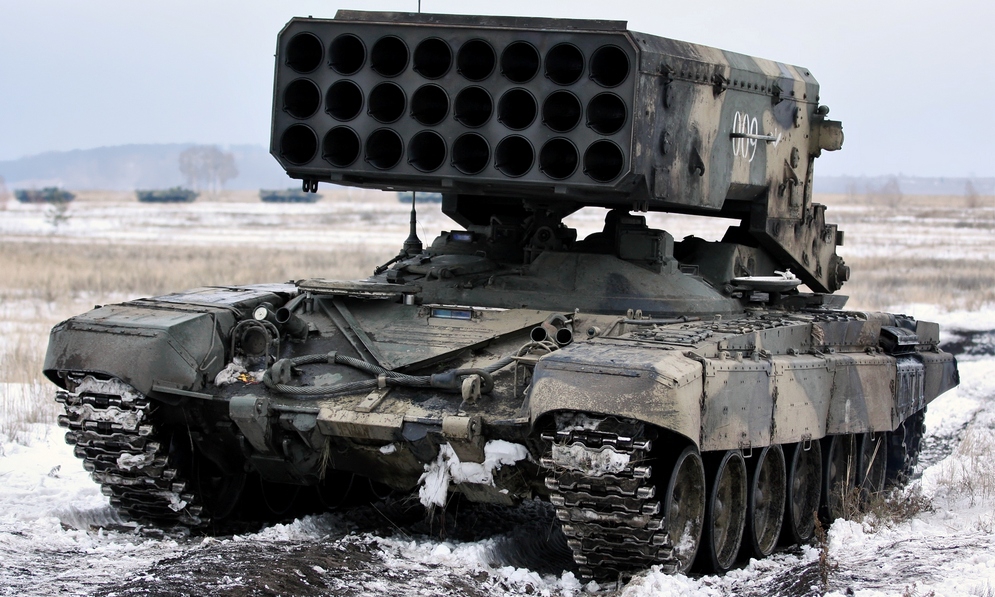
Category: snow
[130,461]
[447,468]
[979,320]
[605,461]
[237,372]
[113,386]
[229,374]
[53,523]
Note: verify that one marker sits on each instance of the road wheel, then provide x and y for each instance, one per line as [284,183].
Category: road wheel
[765,502]
[839,476]
[804,490]
[725,511]
[684,507]
[873,464]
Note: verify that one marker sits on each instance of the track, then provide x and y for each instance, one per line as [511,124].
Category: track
[111,426]
[904,447]
[604,498]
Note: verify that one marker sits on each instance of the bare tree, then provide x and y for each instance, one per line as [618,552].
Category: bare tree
[191,166]
[225,169]
[207,167]
[4,195]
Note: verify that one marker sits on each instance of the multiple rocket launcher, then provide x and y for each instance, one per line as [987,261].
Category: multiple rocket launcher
[554,111]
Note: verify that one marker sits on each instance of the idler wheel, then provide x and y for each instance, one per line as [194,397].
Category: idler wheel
[804,489]
[684,507]
[873,464]
[765,502]
[839,476]
[725,511]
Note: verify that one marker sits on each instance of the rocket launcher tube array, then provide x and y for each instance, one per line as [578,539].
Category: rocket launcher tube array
[636,114]
[557,110]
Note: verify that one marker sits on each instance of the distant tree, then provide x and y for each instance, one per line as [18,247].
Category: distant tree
[207,167]
[4,195]
[890,193]
[225,169]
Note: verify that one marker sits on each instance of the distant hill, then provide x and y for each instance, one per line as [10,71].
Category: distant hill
[129,167]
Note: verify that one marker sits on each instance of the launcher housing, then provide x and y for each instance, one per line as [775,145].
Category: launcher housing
[504,115]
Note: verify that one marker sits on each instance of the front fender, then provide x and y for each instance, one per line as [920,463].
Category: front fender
[663,388]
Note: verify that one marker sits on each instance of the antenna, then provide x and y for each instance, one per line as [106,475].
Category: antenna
[412,244]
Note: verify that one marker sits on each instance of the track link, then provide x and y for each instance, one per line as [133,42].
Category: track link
[604,498]
[109,424]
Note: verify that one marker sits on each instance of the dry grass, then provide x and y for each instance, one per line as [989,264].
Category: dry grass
[53,271]
[877,283]
[945,269]
[20,408]
[970,473]
[25,398]
[889,508]
[826,564]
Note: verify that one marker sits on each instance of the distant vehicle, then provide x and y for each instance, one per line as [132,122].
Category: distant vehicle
[405,197]
[46,195]
[172,195]
[288,196]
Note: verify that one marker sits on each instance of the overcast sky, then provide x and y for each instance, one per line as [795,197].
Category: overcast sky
[913,81]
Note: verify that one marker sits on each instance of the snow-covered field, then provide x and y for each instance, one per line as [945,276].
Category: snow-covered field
[59,536]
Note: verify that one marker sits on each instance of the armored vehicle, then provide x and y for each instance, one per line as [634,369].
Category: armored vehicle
[679,402]
[171,195]
[46,195]
[287,196]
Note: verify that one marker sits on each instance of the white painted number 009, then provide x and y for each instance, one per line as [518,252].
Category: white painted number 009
[743,124]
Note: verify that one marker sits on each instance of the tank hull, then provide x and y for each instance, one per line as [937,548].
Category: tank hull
[140,375]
